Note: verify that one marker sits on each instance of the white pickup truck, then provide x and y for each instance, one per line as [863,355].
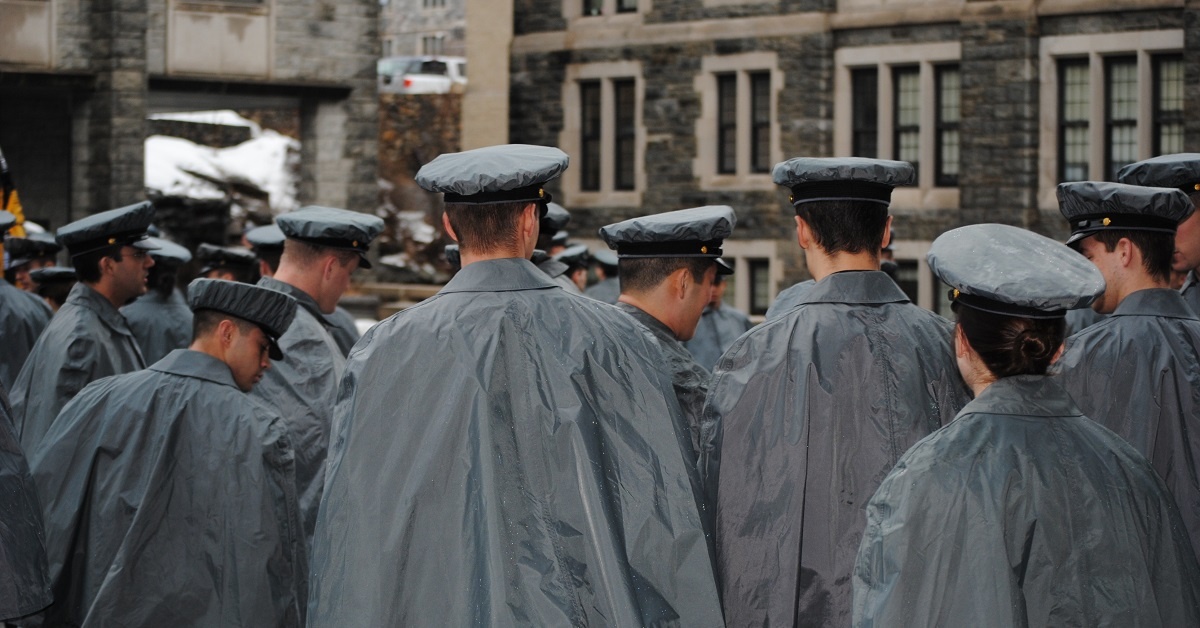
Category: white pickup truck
[422,75]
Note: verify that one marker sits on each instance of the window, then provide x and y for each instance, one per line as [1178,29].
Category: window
[903,102]
[591,8]
[433,4]
[603,134]
[589,141]
[1121,142]
[865,101]
[758,272]
[1107,102]
[1168,104]
[948,106]
[760,285]
[1074,105]
[737,134]
[432,44]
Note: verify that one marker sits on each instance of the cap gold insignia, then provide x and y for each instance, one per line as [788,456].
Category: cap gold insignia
[1107,221]
[1196,187]
[354,243]
[704,249]
[112,240]
[956,293]
[792,197]
[541,193]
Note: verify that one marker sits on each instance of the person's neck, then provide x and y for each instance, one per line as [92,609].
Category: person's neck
[104,289]
[308,282]
[822,264]
[654,306]
[1135,282]
[469,257]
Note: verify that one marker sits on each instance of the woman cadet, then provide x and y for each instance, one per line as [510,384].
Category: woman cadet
[1022,511]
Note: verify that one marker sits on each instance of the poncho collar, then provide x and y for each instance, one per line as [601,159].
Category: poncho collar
[84,296]
[499,275]
[1154,302]
[303,298]
[656,326]
[188,363]
[1024,395]
[868,286]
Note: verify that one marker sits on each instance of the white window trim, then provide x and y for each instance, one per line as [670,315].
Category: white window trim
[704,166]
[440,35]
[925,195]
[1143,44]
[568,139]
[914,251]
[739,252]
[572,10]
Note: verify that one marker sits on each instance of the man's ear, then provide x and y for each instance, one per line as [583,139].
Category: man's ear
[803,233]
[1125,251]
[449,229]
[108,265]
[1058,354]
[531,220]
[227,332]
[887,234]
[680,280]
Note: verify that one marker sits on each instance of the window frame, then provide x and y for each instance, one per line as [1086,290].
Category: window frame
[571,137]
[941,126]
[746,75]
[1174,116]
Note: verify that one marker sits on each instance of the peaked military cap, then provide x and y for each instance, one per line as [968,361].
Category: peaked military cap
[334,228]
[266,238]
[169,251]
[696,232]
[271,310]
[555,219]
[7,220]
[51,274]
[33,246]
[724,267]
[1181,170]
[560,238]
[115,227]
[508,173]
[1008,270]
[213,257]
[574,256]
[453,255]
[605,257]
[539,256]
[1094,206]
[813,179]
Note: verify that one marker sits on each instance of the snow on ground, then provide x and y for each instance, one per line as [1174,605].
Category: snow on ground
[175,166]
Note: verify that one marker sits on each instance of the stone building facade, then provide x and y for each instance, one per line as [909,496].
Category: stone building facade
[423,27]
[667,104]
[78,79]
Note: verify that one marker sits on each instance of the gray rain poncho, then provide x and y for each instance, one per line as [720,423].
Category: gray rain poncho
[1022,512]
[1191,292]
[343,329]
[24,580]
[789,298]
[173,503]
[302,387]
[689,379]
[809,412]
[161,324]
[1138,374]
[23,316]
[715,333]
[87,339]
[504,454]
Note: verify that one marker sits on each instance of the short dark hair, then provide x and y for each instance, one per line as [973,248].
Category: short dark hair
[1011,345]
[486,227]
[205,321]
[1157,248]
[87,266]
[306,254]
[639,274]
[56,291]
[845,225]
[162,277]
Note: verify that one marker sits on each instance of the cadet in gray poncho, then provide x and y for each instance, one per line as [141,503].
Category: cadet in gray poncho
[24,578]
[668,265]
[811,409]
[22,320]
[608,287]
[172,493]
[506,453]
[1138,371]
[1022,511]
[88,338]
[324,247]
[160,319]
[1182,171]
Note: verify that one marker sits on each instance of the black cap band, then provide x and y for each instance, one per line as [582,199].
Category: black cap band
[527,194]
[691,248]
[111,240]
[1129,222]
[985,304]
[867,191]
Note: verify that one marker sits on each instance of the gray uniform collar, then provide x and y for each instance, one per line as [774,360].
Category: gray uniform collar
[1154,302]
[194,364]
[84,296]
[1189,283]
[1024,395]
[303,299]
[499,275]
[867,286]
